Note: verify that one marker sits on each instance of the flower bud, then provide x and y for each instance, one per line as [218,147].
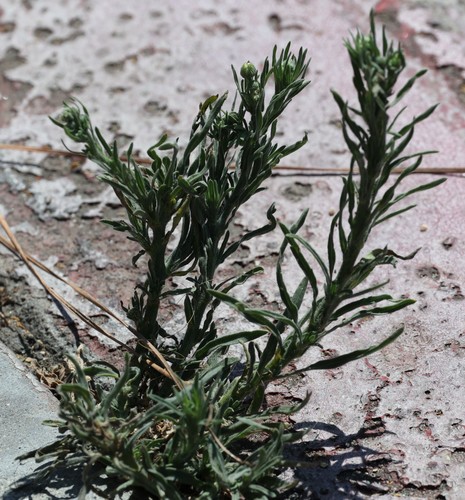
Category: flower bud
[255,91]
[248,70]
[396,61]
[75,124]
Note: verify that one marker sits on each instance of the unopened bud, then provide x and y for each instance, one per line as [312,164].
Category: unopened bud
[248,70]
[395,61]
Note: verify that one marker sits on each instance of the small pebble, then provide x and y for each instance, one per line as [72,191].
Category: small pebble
[423,228]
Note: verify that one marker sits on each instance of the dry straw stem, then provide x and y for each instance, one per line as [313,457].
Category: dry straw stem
[300,169]
[14,246]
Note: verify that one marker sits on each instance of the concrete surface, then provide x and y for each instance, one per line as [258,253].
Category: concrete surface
[391,425]
[24,405]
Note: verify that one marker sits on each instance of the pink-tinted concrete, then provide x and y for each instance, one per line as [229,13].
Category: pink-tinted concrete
[392,424]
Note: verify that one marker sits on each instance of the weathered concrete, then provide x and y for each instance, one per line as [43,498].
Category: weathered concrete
[24,405]
[389,425]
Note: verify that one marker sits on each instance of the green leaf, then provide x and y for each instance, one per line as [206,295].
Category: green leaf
[238,280]
[401,93]
[418,119]
[368,290]
[359,303]
[301,261]
[207,104]
[252,234]
[104,143]
[423,187]
[396,305]
[291,309]
[315,255]
[78,390]
[118,225]
[151,152]
[117,388]
[336,362]
[393,214]
[228,340]
[331,250]
[292,304]
[198,137]
[257,316]
[186,186]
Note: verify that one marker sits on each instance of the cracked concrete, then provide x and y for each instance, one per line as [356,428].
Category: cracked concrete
[391,425]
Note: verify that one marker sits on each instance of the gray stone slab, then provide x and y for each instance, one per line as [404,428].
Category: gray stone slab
[24,404]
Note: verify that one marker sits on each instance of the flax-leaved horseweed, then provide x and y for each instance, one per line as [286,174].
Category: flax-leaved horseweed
[196,426]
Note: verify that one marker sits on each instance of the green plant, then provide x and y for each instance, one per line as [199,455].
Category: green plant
[196,427]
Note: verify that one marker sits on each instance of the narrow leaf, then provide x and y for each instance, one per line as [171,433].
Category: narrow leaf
[228,340]
[336,362]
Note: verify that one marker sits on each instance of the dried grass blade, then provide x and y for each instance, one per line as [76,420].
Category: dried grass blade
[297,168]
[75,287]
[16,248]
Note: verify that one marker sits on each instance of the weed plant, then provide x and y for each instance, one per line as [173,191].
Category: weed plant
[185,419]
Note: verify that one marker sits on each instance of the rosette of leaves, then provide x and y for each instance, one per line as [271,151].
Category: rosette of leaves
[187,445]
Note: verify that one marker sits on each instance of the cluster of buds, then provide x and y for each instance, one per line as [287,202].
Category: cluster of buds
[380,69]
[251,89]
[286,73]
[228,127]
[74,122]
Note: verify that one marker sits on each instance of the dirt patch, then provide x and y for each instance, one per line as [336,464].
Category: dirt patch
[38,338]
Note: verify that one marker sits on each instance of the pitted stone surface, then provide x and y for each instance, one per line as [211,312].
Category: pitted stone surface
[141,86]
[385,426]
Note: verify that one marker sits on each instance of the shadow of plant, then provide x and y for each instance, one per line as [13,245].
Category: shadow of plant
[339,466]
[63,483]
